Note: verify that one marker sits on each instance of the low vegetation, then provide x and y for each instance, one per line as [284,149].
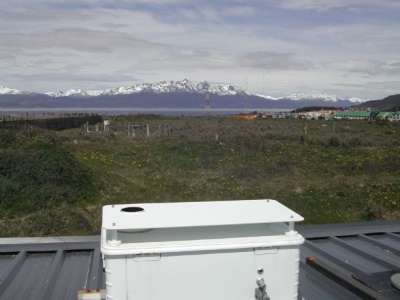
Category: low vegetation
[41,186]
[55,183]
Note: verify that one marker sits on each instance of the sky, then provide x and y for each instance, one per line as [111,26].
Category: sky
[272,47]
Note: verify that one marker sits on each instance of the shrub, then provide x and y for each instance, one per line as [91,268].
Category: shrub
[372,211]
[7,138]
[356,141]
[334,141]
[63,220]
[40,175]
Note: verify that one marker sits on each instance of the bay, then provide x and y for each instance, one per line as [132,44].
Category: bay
[136,111]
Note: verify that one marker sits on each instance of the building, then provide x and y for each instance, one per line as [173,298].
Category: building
[385,115]
[395,116]
[388,115]
[354,115]
[317,114]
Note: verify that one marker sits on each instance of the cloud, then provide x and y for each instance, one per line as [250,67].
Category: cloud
[178,59]
[69,76]
[148,55]
[297,43]
[39,82]
[364,66]
[271,61]
[75,39]
[372,90]
[239,10]
[324,5]
[18,17]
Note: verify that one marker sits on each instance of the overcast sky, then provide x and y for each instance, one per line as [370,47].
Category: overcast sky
[272,47]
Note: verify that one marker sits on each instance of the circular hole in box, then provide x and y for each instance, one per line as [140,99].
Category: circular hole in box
[132,209]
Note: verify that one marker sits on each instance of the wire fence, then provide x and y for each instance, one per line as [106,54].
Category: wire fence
[52,122]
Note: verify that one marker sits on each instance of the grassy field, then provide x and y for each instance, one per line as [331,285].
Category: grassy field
[326,171]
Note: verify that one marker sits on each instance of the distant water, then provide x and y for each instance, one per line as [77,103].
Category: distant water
[136,111]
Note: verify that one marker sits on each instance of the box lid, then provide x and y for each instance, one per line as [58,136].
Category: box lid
[196,239]
[195,214]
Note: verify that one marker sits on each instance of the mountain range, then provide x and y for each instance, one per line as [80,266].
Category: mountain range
[168,94]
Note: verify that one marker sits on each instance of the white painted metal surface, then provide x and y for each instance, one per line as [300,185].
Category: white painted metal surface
[194,214]
[200,250]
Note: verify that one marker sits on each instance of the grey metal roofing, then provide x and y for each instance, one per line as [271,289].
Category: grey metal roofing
[352,250]
[354,261]
[49,268]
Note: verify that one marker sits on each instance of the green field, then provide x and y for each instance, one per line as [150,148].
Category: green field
[55,183]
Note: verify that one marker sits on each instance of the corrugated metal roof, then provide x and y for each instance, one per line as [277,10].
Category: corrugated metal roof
[49,268]
[349,114]
[349,250]
[354,255]
[385,114]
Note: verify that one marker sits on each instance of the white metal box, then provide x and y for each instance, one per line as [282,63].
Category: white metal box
[200,250]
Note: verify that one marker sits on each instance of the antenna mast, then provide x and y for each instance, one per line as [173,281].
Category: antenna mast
[207,105]
[246,98]
[263,86]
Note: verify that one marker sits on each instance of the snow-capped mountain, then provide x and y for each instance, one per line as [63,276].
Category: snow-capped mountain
[357,100]
[169,94]
[7,91]
[75,93]
[315,97]
[267,97]
[306,96]
[184,86]
[310,97]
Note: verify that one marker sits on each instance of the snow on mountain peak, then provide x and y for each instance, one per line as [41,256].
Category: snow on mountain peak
[184,86]
[306,96]
[77,93]
[55,94]
[157,88]
[5,90]
[316,97]
[357,100]
[266,97]
[227,90]
[82,93]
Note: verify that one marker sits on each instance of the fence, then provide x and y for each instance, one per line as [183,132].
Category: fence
[51,123]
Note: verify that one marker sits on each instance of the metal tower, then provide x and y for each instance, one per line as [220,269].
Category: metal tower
[207,106]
